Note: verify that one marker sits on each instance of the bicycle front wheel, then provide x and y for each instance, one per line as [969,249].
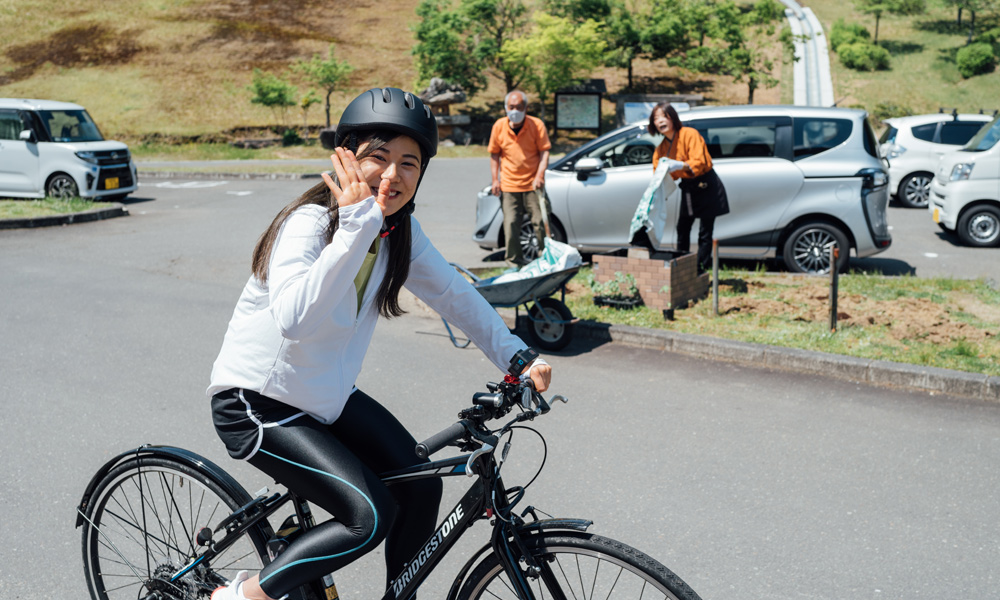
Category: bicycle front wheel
[580,567]
[140,532]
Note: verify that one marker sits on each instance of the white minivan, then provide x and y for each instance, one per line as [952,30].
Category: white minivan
[965,193]
[54,149]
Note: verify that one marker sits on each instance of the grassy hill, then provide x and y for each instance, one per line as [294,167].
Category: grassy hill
[923,76]
[181,67]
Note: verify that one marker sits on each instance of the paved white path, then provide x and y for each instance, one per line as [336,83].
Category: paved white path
[813,85]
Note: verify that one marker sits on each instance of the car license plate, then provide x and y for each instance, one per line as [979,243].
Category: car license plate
[111,183]
[937,215]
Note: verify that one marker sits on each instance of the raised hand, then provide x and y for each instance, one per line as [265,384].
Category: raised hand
[354,187]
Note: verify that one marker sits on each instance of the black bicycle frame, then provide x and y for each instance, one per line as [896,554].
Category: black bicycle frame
[472,507]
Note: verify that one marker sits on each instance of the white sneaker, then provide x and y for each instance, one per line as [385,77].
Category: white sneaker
[233,591]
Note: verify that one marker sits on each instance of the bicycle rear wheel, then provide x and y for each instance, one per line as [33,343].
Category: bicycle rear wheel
[140,529]
[580,567]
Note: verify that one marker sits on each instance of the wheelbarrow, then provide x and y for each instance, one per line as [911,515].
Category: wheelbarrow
[551,322]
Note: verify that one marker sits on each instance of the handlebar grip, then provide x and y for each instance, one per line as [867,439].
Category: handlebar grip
[440,439]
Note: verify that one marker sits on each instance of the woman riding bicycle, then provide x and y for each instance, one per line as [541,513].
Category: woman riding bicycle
[283,387]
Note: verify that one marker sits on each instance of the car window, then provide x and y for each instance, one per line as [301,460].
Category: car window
[986,138]
[738,138]
[10,125]
[871,144]
[957,133]
[70,126]
[925,132]
[634,148]
[888,136]
[813,135]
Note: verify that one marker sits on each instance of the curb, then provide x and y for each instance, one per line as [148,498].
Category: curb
[94,214]
[882,373]
[201,175]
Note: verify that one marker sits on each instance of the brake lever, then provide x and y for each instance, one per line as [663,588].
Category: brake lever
[484,449]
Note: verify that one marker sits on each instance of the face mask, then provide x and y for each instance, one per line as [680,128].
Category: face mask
[515,116]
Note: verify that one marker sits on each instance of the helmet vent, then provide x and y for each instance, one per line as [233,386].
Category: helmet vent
[386,95]
[408,100]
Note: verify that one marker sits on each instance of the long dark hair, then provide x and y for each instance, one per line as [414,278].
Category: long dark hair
[387,299]
[671,114]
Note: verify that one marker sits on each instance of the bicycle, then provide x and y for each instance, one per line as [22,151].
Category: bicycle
[150,517]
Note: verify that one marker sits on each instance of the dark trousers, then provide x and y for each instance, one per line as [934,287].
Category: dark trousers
[705,227]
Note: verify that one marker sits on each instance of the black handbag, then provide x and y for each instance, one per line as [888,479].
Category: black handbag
[704,195]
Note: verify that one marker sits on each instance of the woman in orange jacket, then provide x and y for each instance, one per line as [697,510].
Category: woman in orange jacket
[703,196]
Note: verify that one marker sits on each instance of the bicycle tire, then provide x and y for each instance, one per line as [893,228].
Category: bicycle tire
[140,526]
[580,567]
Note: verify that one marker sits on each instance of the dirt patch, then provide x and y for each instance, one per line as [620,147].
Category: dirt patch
[905,318]
[75,46]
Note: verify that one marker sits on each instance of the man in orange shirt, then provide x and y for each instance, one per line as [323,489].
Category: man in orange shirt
[519,154]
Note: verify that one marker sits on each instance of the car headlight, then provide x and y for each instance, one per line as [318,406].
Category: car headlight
[87,156]
[961,171]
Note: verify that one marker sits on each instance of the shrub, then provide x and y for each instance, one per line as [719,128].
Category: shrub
[975,59]
[621,287]
[864,56]
[841,33]
[888,110]
[990,36]
[290,137]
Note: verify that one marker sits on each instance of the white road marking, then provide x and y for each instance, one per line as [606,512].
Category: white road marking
[231,193]
[930,254]
[190,184]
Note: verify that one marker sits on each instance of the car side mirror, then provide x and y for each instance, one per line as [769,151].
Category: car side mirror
[27,135]
[585,166]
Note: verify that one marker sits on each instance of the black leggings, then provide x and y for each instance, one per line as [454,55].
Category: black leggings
[336,467]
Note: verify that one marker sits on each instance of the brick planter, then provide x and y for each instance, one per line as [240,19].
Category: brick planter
[665,280]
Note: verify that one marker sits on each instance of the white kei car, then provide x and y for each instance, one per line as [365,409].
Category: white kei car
[55,149]
[913,145]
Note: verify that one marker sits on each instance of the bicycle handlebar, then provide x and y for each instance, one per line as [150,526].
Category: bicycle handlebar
[501,399]
[439,440]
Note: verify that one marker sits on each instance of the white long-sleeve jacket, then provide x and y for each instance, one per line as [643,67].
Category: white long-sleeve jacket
[301,339]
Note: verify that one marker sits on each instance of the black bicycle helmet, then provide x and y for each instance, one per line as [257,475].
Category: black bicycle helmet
[392,109]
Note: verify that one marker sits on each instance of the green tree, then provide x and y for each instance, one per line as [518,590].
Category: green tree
[444,48]
[893,7]
[555,54]
[973,6]
[456,41]
[749,58]
[305,103]
[494,23]
[273,92]
[739,44]
[664,33]
[621,27]
[325,73]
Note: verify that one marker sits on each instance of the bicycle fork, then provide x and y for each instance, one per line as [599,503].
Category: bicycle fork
[508,545]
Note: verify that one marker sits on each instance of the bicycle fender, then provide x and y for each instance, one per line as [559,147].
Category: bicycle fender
[190,459]
[550,524]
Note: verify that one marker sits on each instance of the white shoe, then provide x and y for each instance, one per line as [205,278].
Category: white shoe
[233,591]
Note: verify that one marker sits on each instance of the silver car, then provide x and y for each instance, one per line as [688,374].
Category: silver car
[799,179]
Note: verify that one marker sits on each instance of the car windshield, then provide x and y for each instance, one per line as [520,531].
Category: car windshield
[70,126]
[986,138]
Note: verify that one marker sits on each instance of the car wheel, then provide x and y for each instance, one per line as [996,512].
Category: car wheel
[639,155]
[807,249]
[915,190]
[529,243]
[980,226]
[62,186]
